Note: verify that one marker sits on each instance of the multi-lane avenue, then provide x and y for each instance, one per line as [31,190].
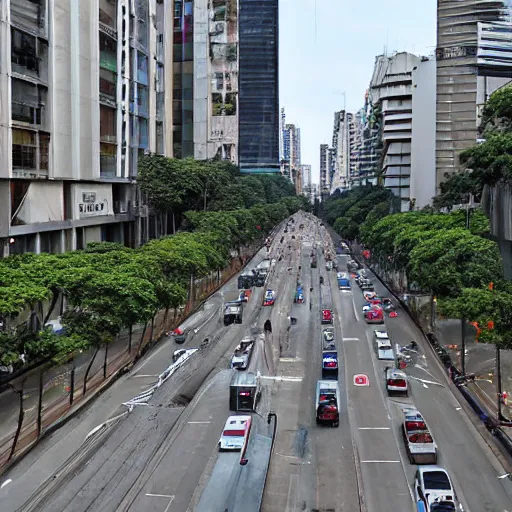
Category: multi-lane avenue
[162,456]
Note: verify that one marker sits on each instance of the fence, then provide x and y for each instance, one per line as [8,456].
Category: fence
[36,402]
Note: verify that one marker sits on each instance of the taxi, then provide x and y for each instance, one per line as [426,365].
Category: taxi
[270,298]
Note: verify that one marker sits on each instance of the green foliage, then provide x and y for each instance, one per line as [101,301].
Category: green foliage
[497,112]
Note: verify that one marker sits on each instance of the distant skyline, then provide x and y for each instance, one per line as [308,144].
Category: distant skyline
[319,61]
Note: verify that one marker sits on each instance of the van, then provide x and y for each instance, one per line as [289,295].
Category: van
[396,382]
[382,346]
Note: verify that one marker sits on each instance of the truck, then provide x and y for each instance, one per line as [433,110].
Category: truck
[419,444]
[343,281]
[242,354]
[243,392]
[326,305]
[326,407]
[263,267]
[233,312]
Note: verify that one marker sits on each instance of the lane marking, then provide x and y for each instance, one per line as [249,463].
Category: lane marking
[374,428]
[8,481]
[356,314]
[380,461]
[198,422]
[288,359]
[169,496]
[144,376]
[350,339]
[423,381]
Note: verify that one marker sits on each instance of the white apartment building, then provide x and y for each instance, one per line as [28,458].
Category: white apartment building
[341,143]
[84,90]
[391,96]
[215,76]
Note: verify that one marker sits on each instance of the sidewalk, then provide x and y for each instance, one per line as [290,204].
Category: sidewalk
[57,381]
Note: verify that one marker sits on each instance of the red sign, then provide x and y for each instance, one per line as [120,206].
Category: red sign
[361,380]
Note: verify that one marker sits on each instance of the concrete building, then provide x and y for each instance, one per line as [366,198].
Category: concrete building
[325,181]
[341,143]
[474,58]
[84,90]
[305,171]
[356,143]
[423,140]
[215,79]
[391,105]
[258,102]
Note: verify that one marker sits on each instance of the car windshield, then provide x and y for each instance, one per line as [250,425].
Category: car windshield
[436,480]
[444,506]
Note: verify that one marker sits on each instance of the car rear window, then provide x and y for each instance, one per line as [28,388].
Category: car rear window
[234,433]
[436,480]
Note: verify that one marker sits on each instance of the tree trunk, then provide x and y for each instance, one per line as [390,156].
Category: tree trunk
[105,362]
[166,314]
[21,415]
[173,223]
[53,303]
[141,341]
[165,222]
[130,335]
[89,366]
[463,346]
[72,384]
[152,328]
[40,403]
[498,383]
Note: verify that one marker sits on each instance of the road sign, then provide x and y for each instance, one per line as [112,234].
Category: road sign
[361,380]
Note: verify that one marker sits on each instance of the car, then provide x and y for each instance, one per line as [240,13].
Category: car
[242,354]
[326,316]
[368,295]
[396,382]
[180,336]
[234,433]
[433,487]
[328,265]
[270,298]
[374,315]
[387,305]
[419,444]
[328,334]
[382,346]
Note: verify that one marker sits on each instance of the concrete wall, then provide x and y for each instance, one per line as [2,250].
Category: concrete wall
[201,88]
[5,59]
[74,94]
[423,145]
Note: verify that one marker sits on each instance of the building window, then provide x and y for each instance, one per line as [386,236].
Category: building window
[44,151]
[108,124]
[108,153]
[108,13]
[108,52]
[160,138]
[108,83]
[143,100]
[29,14]
[142,68]
[28,102]
[24,149]
[143,133]
[29,54]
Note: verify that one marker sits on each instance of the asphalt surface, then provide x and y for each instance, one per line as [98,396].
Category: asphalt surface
[163,456]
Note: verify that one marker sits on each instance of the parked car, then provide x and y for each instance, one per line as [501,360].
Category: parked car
[382,346]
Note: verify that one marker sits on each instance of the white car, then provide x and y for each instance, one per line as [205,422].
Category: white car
[182,354]
[433,487]
[234,433]
[382,345]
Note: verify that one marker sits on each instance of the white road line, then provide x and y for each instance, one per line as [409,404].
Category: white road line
[355,309]
[380,461]
[144,376]
[8,481]
[198,422]
[168,496]
[288,359]
[374,428]
[350,339]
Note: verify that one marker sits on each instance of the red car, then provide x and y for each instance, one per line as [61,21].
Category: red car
[326,316]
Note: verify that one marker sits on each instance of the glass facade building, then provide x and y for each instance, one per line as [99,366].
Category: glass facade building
[259,120]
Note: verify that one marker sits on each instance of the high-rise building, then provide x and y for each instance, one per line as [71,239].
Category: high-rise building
[183,79]
[290,159]
[390,102]
[324,167]
[356,142]
[474,58]
[305,171]
[84,90]
[341,143]
[258,86]
[215,80]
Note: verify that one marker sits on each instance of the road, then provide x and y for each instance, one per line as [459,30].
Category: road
[163,456]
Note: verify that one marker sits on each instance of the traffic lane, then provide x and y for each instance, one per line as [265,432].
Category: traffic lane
[292,479]
[372,428]
[182,463]
[337,487]
[460,445]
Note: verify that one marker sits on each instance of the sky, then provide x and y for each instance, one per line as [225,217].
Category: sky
[328,47]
